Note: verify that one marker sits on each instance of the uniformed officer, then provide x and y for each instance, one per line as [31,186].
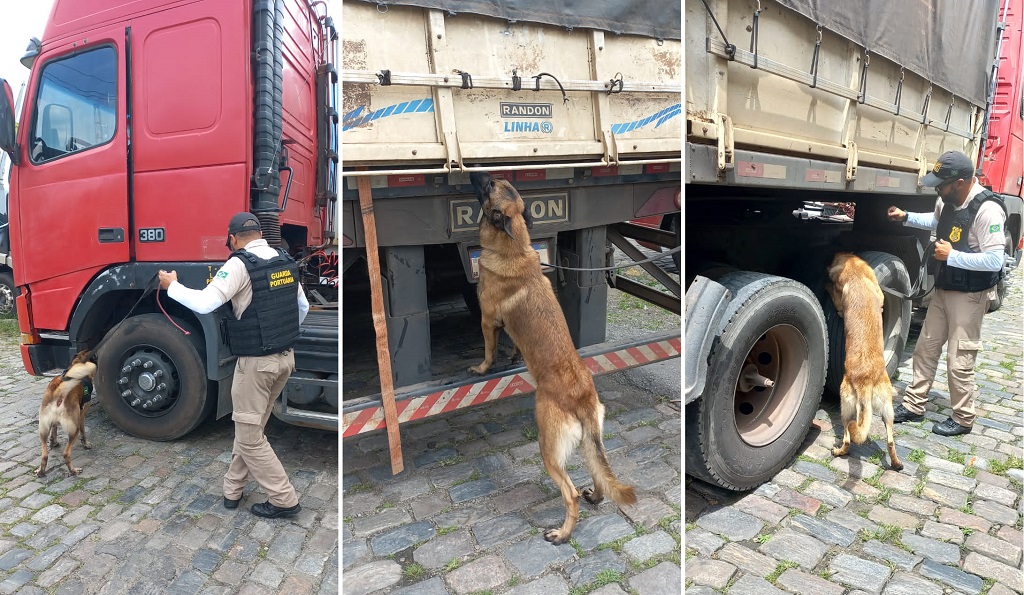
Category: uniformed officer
[968,223]
[261,283]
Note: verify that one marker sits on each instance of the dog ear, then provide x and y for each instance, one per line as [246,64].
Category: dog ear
[507,224]
[483,184]
[526,216]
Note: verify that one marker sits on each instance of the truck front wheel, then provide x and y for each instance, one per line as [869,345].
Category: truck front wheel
[7,294]
[151,379]
[764,383]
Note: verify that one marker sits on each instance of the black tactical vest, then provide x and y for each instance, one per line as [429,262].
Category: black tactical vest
[271,322]
[954,227]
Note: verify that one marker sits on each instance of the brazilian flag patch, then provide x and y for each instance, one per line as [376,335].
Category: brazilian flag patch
[993,228]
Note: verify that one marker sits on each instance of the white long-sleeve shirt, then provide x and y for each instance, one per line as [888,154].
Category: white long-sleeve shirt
[232,283]
[985,236]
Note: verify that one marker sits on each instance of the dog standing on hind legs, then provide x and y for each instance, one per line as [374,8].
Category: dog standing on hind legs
[65,402]
[515,295]
[858,300]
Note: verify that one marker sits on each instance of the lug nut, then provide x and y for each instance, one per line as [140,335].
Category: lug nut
[147,404]
[136,362]
[126,394]
[126,370]
[123,381]
[147,365]
[158,373]
[136,402]
[161,386]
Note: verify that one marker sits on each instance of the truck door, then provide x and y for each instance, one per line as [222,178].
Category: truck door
[72,205]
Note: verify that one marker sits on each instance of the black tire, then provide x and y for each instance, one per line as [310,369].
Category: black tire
[776,322]
[7,294]
[1001,286]
[147,344]
[674,226]
[896,314]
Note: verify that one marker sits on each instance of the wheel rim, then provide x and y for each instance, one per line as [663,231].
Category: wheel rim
[148,381]
[6,300]
[771,385]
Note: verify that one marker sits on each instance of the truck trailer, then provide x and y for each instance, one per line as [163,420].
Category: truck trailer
[579,108]
[792,108]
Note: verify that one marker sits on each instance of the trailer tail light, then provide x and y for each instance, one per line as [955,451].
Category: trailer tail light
[1020,244]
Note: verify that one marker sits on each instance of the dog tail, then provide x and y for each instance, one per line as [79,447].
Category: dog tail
[596,459]
[861,425]
[73,378]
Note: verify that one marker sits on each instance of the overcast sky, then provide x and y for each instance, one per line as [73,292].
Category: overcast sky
[22,21]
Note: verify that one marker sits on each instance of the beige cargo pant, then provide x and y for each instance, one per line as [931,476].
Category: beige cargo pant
[256,384]
[954,317]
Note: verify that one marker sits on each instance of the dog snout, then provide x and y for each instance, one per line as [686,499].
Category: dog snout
[483,184]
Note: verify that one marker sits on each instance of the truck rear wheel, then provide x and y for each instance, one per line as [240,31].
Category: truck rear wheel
[896,313]
[1001,286]
[151,379]
[7,294]
[764,383]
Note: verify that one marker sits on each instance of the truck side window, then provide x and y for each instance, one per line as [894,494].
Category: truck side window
[76,107]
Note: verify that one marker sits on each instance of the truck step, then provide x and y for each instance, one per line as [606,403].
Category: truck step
[434,398]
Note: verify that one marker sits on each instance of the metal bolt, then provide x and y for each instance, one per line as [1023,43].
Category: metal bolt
[123,380]
[158,373]
[126,394]
[147,365]
[136,402]
[136,362]
[161,386]
[126,370]
[147,404]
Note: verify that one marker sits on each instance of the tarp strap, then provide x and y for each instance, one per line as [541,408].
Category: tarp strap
[730,49]
[753,34]
[814,60]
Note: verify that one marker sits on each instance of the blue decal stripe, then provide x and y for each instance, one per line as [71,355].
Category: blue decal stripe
[661,116]
[357,117]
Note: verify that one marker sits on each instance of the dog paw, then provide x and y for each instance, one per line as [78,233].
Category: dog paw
[76,471]
[897,466]
[86,446]
[555,536]
[588,495]
[40,472]
[481,369]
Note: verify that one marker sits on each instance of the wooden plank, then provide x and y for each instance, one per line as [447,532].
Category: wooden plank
[387,385]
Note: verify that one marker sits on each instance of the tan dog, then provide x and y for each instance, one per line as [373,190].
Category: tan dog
[858,299]
[65,403]
[516,296]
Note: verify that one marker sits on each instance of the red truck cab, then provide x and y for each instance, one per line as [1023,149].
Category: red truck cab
[146,126]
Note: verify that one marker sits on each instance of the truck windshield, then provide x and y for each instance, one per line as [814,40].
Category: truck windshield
[76,104]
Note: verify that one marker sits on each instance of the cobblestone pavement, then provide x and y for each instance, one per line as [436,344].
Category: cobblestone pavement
[466,516]
[146,517]
[950,522]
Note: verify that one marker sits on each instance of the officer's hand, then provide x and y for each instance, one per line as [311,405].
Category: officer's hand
[942,249]
[167,278]
[896,214]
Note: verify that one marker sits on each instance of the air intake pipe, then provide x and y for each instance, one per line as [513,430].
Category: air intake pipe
[268,71]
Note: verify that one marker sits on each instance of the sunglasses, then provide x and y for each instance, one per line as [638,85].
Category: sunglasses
[946,184]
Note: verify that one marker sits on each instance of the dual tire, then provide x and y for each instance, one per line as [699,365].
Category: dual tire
[767,370]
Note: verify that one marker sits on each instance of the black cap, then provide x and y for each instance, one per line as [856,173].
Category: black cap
[242,222]
[952,165]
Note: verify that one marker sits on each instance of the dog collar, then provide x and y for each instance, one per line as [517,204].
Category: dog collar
[86,392]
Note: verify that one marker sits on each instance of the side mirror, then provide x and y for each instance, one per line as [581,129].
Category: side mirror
[8,140]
